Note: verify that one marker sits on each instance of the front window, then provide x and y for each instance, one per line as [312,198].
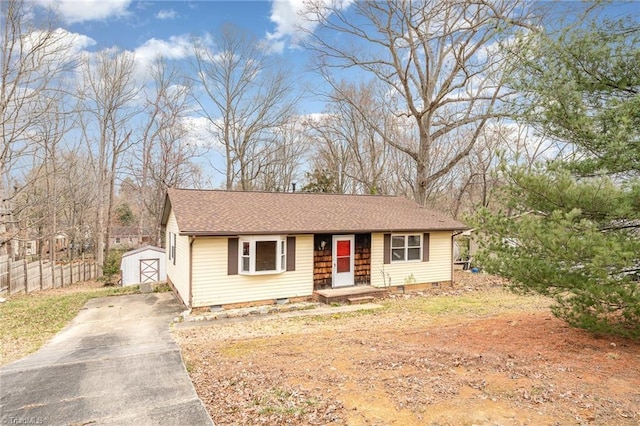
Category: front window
[263,254]
[406,248]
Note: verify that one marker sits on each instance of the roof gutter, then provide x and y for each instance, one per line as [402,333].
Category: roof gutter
[456,231]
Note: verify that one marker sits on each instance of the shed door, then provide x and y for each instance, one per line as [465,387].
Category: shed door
[149,270]
[343,249]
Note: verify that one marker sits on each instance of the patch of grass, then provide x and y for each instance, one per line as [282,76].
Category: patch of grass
[340,315]
[29,320]
[283,402]
[189,366]
[161,288]
[470,304]
[244,347]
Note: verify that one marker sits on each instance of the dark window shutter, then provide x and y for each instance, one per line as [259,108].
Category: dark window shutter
[291,253]
[425,247]
[387,248]
[232,258]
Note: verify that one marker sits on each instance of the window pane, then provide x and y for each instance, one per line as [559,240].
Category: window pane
[245,264]
[266,255]
[414,241]
[245,248]
[344,264]
[344,248]
[397,241]
[413,254]
[397,254]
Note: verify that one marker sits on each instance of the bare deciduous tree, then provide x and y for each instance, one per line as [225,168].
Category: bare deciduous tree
[165,158]
[286,152]
[331,154]
[438,60]
[246,95]
[473,181]
[32,58]
[77,193]
[106,97]
[41,203]
[350,149]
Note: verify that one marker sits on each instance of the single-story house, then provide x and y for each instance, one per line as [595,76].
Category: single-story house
[228,248]
[144,265]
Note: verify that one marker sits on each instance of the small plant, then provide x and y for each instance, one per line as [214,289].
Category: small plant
[111,267]
[161,288]
[410,280]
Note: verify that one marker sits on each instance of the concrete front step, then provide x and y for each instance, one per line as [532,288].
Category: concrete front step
[360,300]
[342,295]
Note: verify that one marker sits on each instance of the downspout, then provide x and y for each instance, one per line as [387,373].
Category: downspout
[191,241]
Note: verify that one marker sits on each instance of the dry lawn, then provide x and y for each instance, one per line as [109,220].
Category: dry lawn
[475,356]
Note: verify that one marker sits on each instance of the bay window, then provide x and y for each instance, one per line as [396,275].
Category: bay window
[262,254]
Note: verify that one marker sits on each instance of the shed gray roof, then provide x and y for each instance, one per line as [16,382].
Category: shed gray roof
[143,249]
[214,212]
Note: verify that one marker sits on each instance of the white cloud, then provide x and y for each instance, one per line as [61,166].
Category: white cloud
[167,14]
[291,19]
[288,17]
[175,48]
[73,11]
[273,46]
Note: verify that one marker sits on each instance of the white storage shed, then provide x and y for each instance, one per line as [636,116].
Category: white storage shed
[144,265]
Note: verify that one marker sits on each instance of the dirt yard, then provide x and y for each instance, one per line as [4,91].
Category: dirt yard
[476,355]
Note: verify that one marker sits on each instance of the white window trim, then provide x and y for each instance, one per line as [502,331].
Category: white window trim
[171,247]
[281,254]
[406,248]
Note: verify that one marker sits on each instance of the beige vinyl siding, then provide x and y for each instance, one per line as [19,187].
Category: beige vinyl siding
[212,285]
[178,273]
[437,269]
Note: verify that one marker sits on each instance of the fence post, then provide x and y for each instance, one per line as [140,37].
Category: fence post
[41,275]
[26,276]
[9,266]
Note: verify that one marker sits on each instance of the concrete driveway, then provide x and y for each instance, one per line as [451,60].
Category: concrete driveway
[115,363]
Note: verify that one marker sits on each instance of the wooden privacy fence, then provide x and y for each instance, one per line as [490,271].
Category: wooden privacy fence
[21,276]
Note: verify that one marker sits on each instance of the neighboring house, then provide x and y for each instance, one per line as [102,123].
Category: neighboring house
[231,248]
[144,265]
[33,244]
[128,237]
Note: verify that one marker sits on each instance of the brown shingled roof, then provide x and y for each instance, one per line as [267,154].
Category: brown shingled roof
[214,212]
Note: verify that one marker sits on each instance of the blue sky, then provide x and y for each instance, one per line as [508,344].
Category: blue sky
[154,28]
[133,23]
[168,25]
